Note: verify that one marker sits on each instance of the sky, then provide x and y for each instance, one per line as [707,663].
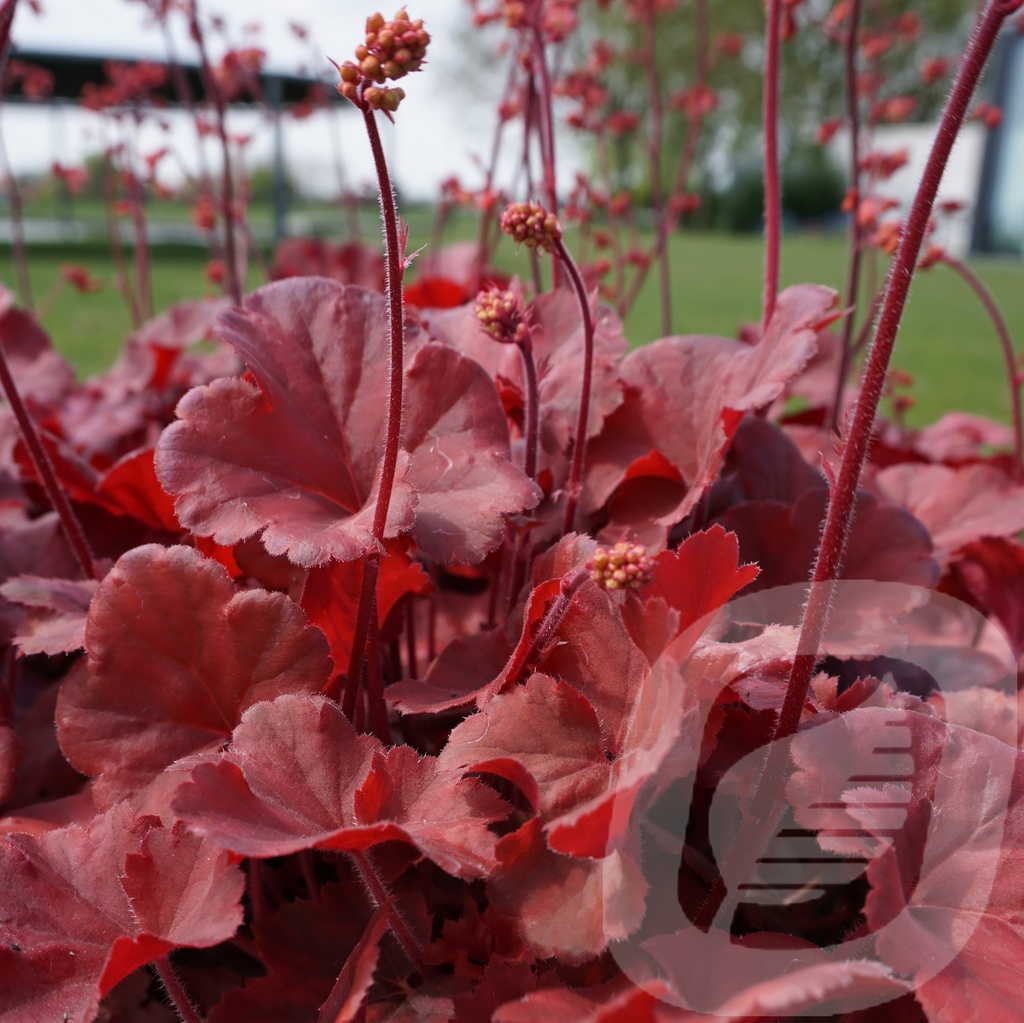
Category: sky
[443,127]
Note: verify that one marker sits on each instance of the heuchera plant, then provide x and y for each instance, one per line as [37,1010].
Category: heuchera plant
[419,652]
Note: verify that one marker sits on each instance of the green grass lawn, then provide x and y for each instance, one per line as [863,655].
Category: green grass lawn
[946,342]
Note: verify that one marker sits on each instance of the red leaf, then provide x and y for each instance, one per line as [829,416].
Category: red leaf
[701,576]
[41,374]
[558,352]
[685,396]
[330,596]
[992,572]
[82,910]
[343,792]
[131,488]
[298,456]
[565,906]
[175,656]
[947,870]
[436,293]
[353,984]
[543,736]
[957,506]
[55,622]
[304,945]
[613,1004]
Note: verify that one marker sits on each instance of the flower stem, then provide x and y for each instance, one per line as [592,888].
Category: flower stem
[579,448]
[382,898]
[763,808]
[570,586]
[841,498]
[772,186]
[176,992]
[532,411]
[856,245]
[215,94]
[1006,344]
[393,429]
[45,471]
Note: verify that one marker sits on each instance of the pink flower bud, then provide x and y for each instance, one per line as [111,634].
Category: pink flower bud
[625,566]
[528,223]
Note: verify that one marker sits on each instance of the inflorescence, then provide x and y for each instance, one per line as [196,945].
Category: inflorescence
[502,316]
[625,566]
[528,223]
[391,50]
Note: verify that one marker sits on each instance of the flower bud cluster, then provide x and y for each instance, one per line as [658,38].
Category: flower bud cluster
[502,316]
[528,223]
[391,50]
[623,567]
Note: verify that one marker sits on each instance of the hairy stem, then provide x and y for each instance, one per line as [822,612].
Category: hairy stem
[841,498]
[532,410]
[1009,355]
[772,185]
[764,808]
[176,992]
[654,148]
[856,245]
[45,471]
[393,429]
[382,898]
[216,95]
[570,586]
[573,486]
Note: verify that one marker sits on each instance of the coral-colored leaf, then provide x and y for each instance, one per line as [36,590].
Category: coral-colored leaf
[83,908]
[566,906]
[957,506]
[55,620]
[684,397]
[343,792]
[544,736]
[175,656]
[298,454]
[947,859]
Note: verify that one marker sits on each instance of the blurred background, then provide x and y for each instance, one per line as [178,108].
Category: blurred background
[303,162]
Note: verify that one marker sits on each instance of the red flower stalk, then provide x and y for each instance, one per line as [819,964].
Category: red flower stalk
[502,316]
[382,39]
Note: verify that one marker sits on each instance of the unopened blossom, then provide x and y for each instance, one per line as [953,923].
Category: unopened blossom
[528,223]
[625,566]
[502,316]
[390,51]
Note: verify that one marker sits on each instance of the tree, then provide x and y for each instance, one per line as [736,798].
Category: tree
[728,49]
